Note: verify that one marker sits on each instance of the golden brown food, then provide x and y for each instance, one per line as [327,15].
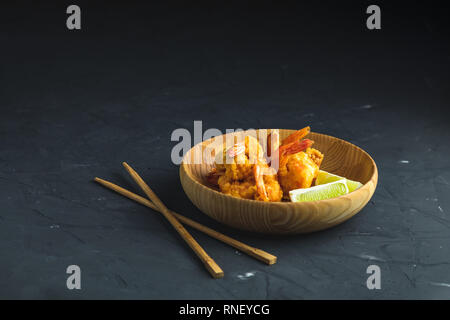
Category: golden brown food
[315,155]
[267,189]
[298,171]
[267,184]
[298,162]
[239,189]
[242,170]
[239,159]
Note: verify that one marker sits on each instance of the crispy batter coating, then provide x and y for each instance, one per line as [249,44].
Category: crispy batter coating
[315,155]
[240,164]
[243,172]
[273,188]
[239,189]
[247,189]
[298,172]
[237,175]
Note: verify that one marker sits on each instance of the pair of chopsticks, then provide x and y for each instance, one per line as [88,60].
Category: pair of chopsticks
[175,218]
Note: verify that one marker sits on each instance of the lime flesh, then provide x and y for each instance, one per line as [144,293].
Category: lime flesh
[320,192]
[326,177]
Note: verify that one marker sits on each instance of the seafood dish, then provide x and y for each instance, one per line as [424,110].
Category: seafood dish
[247,170]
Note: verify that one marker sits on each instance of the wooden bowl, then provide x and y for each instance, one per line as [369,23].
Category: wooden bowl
[341,158]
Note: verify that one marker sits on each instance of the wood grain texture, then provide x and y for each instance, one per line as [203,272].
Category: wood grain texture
[341,158]
[251,251]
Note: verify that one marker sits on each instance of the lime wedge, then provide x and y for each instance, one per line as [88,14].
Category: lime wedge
[353,185]
[320,192]
[326,177]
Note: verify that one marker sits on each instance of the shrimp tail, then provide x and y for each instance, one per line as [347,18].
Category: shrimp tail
[260,186]
[273,141]
[291,148]
[213,177]
[295,147]
[296,136]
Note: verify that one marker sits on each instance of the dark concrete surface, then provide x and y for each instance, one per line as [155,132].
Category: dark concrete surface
[75,104]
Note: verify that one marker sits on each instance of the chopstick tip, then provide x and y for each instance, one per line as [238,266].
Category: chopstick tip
[100,181]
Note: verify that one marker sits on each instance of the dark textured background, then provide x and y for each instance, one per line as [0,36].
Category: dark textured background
[75,104]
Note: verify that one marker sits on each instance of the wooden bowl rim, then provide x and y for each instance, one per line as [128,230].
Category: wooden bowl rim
[285,203]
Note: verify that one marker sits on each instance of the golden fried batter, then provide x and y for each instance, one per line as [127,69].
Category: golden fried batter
[238,175]
[315,155]
[243,172]
[299,171]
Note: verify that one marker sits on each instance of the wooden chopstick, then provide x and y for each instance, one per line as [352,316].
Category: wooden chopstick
[209,263]
[251,251]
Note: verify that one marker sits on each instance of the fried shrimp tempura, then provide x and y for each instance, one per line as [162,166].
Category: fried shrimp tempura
[299,163]
[242,173]
[315,156]
[299,171]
